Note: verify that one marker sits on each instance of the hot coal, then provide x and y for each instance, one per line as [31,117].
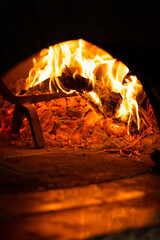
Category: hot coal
[72,122]
[81,122]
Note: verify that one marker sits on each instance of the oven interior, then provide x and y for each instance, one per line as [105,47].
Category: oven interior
[74,193]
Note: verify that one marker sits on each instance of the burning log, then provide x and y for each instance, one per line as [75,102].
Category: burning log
[109,101]
[67,82]
[98,108]
[70,81]
[41,87]
[108,106]
[85,120]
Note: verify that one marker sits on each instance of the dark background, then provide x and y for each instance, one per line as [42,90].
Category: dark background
[28,26]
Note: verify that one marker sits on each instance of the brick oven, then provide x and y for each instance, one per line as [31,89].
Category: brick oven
[72,167]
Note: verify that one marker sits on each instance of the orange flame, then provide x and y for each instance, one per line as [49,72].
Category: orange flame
[93,63]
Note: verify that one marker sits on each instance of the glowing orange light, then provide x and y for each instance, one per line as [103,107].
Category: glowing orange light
[86,59]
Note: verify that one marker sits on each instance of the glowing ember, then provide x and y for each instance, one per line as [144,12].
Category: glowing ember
[93,63]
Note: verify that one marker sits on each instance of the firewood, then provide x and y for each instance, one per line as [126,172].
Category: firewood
[67,82]
[98,108]
[109,101]
[70,82]
[41,87]
[80,121]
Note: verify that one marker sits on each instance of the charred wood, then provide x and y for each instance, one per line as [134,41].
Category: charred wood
[109,101]
[71,81]
[68,81]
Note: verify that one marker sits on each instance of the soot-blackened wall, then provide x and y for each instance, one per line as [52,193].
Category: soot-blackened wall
[30,25]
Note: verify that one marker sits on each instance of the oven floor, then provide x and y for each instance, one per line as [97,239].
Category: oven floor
[77,195]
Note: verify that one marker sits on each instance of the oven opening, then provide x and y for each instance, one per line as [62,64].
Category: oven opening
[99,103]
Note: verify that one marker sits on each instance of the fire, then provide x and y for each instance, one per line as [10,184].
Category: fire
[93,63]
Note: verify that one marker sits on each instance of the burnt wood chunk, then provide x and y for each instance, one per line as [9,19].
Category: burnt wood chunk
[44,86]
[110,100]
[69,81]
[111,103]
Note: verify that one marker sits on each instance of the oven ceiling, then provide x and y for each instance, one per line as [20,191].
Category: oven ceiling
[28,26]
